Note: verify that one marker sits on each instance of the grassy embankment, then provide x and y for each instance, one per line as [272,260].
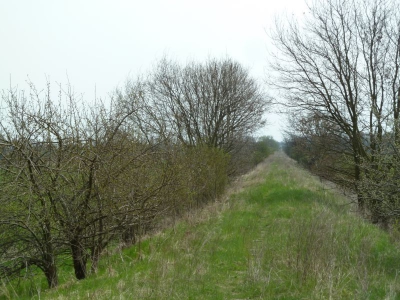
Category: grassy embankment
[280,234]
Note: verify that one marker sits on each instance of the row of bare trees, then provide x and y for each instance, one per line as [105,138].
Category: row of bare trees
[70,181]
[75,177]
[340,70]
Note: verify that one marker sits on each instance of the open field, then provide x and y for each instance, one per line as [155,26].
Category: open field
[278,234]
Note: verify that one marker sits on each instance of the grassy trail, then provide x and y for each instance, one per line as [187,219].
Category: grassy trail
[278,234]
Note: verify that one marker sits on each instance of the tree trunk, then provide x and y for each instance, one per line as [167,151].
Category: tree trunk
[50,272]
[48,256]
[79,259]
[95,257]
[129,235]
[357,177]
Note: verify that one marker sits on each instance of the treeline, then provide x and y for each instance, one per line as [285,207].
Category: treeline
[75,178]
[340,70]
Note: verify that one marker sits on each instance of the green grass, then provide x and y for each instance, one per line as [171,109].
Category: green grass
[284,236]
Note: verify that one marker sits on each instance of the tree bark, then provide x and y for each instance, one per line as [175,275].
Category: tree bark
[50,271]
[79,259]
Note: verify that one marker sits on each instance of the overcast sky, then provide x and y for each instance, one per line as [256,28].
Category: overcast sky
[98,44]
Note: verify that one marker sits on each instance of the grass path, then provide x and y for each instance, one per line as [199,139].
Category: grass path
[278,234]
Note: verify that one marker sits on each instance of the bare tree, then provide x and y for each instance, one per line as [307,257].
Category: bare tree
[26,214]
[214,103]
[342,63]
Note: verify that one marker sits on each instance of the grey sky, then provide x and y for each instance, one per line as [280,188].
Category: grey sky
[101,43]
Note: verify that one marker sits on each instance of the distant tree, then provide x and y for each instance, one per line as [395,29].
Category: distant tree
[263,147]
[214,103]
[320,146]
